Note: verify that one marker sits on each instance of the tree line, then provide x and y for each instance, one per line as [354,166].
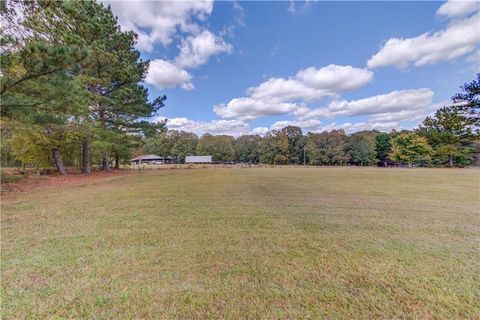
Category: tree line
[448,138]
[72,95]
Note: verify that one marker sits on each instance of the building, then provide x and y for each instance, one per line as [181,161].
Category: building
[152,159]
[198,159]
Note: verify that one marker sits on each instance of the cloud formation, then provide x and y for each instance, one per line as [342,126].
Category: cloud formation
[197,49]
[228,127]
[384,112]
[249,109]
[361,126]
[278,96]
[163,74]
[307,125]
[158,21]
[394,101]
[315,126]
[458,8]
[312,84]
[462,36]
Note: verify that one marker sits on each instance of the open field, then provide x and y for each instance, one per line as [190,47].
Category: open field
[255,243]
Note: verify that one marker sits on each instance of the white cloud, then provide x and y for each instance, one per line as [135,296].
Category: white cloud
[239,13]
[459,38]
[260,131]
[456,8]
[385,112]
[334,78]
[158,21]
[418,114]
[312,84]
[163,74]
[278,96]
[239,21]
[302,8]
[314,126]
[391,102]
[197,49]
[249,109]
[474,57]
[395,101]
[360,126]
[279,89]
[216,127]
[306,125]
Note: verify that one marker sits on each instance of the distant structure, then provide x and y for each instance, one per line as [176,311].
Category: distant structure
[152,159]
[198,159]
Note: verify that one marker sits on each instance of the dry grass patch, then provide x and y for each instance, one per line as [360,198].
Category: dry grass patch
[246,244]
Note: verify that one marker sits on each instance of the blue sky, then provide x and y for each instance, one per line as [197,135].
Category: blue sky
[249,67]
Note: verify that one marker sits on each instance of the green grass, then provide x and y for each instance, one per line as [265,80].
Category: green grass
[259,243]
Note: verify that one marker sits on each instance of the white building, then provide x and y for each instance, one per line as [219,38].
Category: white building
[198,159]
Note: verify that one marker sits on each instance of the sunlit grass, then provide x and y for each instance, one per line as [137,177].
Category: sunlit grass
[246,243]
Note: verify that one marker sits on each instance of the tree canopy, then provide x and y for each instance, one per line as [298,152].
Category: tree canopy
[70,75]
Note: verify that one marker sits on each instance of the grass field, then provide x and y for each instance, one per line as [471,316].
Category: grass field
[259,243]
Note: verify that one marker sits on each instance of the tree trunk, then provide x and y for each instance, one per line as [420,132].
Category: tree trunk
[117,161]
[450,160]
[57,158]
[105,163]
[86,161]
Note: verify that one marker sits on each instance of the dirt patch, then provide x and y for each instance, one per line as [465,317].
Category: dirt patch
[33,181]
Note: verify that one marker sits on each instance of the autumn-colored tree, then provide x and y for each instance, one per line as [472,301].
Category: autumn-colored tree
[410,148]
[327,148]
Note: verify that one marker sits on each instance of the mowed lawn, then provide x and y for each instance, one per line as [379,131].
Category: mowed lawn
[256,243]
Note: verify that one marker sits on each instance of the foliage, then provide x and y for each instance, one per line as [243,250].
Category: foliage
[327,148]
[295,142]
[410,148]
[71,85]
[31,146]
[467,103]
[67,68]
[247,148]
[219,147]
[450,134]
[359,152]
[361,148]
[185,144]
[383,148]
[274,148]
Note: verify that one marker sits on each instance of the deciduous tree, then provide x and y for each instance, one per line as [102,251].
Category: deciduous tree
[410,148]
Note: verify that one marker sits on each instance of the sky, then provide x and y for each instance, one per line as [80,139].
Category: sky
[244,67]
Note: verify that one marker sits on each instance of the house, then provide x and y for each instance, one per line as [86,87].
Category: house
[198,159]
[152,159]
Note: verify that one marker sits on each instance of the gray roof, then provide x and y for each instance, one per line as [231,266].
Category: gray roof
[147,157]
